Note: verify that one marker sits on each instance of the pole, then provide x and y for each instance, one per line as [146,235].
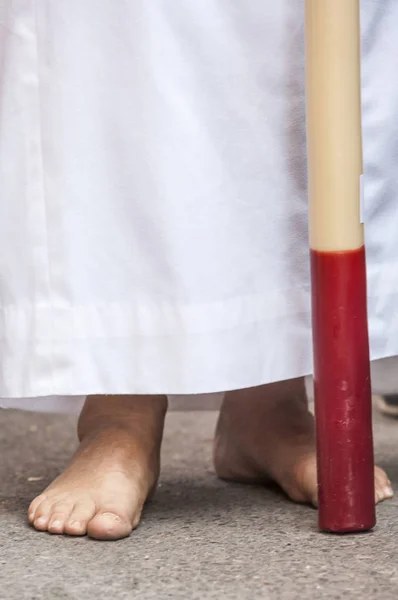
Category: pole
[338,267]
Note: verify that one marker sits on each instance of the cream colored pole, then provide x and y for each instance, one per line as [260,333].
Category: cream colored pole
[340,331]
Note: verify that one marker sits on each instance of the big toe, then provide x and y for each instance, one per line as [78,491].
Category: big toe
[302,486]
[109,526]
[306,488]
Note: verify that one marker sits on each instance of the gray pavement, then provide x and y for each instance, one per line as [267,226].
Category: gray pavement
[200,538]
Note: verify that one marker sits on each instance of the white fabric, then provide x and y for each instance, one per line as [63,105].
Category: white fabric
[153,215]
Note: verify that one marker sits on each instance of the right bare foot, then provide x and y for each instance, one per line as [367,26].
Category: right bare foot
[267,434]
[103,491]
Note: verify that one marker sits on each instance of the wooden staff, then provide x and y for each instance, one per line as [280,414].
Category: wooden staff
[338,267]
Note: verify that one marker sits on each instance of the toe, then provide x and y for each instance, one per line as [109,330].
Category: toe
[78,520]
[383,488]
[109,526]
[42,515]
[34,505]
[60,514]
[303,486]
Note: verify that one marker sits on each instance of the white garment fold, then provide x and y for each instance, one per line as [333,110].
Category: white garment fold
[153,201]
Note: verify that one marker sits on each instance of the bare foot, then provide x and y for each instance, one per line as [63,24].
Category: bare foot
[267,434]
[103,490]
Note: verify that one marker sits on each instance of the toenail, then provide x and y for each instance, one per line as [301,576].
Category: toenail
[388,492]
[113,516]
[75,524]
[41,521]
[56,524]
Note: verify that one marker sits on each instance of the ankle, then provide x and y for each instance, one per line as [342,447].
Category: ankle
[121,414]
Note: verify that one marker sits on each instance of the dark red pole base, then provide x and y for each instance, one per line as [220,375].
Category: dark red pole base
[342,392]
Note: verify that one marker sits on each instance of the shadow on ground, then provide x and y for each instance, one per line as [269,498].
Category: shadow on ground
[200,538]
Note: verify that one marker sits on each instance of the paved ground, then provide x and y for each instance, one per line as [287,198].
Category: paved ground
[200,538]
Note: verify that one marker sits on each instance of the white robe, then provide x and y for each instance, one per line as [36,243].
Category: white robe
[153,200]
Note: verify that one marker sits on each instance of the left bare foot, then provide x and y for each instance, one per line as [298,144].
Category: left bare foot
[267,433]
[103,490]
